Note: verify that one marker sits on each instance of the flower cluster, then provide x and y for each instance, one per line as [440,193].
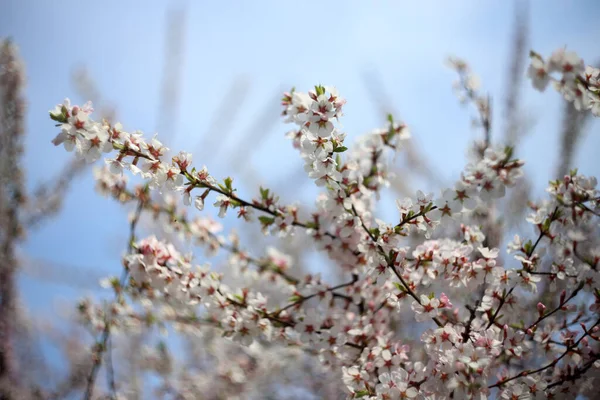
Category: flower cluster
[482,329]
[578,83]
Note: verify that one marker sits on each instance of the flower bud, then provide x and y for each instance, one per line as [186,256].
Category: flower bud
[541,308]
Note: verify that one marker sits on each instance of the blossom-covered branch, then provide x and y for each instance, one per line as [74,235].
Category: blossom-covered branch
[435,254]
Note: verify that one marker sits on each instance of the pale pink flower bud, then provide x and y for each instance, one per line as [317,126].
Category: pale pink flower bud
[541,308]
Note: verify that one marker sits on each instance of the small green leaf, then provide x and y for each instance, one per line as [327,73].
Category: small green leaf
[533,54]
[340,149]
[59,117]
[266,220]
[573,172]
[320,90]
[114,282]
[546,225]
[528,246]
[264,193]
[228,181]
[508,151]
[238,297]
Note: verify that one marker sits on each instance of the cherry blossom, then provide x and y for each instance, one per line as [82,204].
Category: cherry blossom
[482,329]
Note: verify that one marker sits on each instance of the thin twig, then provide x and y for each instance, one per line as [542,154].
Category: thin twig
[569,349]
[110,372]
[102,343]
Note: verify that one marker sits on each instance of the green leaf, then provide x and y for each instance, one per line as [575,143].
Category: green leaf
[264,193]
[528,246]
[266,220]
[546,225]
[320,90]
[340,149]
[59,117]
[508,151]
[150,319]
[361,393]
[390,134]
[428,207]
[400,287]
[114,282]
[573,172]
[533,54]
[228,181]
[238,297]
[312,225]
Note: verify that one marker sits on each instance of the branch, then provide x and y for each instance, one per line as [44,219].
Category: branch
[102,343]
[586,332]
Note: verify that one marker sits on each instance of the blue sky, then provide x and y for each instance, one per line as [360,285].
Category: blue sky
[269,46]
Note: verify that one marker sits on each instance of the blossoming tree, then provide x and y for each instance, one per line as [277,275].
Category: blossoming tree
[482,328]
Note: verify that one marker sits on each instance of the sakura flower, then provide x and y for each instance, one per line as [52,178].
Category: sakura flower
[566,62]
[183,160]
[354,378]
[465,194]
[447,206]
[320,125]
[563,269]
[396,385]
[538,73]
[309,326]
[529,282]
[170,177]
[423,199]
[223,202]
[488,253]
[425,309]
[95,143]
